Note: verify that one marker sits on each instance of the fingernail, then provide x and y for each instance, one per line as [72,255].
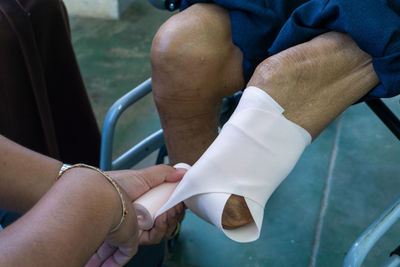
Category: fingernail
[182,166]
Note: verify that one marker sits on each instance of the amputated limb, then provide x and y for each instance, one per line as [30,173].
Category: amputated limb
[236,213]
[314,82]
[243,162]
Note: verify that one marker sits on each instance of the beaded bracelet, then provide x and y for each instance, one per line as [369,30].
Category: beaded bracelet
[63,168]
[67,167]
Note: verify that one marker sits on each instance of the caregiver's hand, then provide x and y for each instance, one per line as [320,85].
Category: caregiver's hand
[120,246]
[138,182]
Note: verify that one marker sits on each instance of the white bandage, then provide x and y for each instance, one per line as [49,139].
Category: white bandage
[147,205]
[254,152]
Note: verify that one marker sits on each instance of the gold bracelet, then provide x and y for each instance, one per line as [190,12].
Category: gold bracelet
[67,167]
[63,168]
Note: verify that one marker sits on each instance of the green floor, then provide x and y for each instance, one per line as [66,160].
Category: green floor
[344,180]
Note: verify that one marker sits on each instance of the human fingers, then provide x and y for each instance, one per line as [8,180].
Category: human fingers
[176,176]
[174,216]
[138,182]
[156,175]
[94,261]
[102,253]
[121,256]
[156,234]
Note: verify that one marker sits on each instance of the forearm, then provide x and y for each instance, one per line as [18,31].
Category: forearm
[67,225]
[25,176]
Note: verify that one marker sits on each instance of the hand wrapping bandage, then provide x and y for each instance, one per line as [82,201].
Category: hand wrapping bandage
[254,152]
[148,204]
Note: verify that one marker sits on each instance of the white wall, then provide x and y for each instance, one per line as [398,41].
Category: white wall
[107,9]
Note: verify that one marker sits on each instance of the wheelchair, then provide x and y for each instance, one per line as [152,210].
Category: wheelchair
[360,248]
[154,142]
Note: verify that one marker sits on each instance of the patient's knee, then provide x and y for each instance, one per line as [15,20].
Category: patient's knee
[190,50]
[171,45]
[178,60]
[264,72]
[181,46]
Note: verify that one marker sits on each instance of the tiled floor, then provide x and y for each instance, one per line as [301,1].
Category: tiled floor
[114,58]
[344,180]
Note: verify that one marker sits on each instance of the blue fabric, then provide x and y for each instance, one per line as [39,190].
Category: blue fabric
[7,218]
[255,25]
[373,24]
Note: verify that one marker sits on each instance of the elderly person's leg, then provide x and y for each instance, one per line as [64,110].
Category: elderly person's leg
[194,65]
[314,82]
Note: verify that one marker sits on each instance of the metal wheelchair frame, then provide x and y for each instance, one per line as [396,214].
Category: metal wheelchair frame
[360,247]
[149,144]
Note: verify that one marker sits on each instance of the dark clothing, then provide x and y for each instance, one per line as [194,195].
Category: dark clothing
[261,28]
[255,25]
[373,24]
[43,102]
